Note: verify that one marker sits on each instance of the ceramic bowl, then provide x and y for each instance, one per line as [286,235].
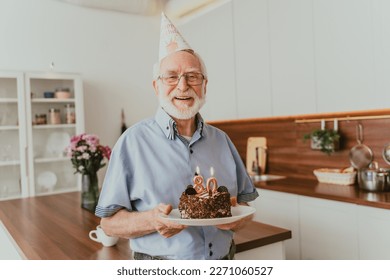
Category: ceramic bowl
[48,94]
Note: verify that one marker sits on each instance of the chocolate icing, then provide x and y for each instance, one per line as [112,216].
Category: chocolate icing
[205,206]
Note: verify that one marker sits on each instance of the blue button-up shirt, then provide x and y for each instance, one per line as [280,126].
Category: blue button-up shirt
[151,164]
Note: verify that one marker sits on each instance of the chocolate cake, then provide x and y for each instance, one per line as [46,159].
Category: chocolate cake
[207,204]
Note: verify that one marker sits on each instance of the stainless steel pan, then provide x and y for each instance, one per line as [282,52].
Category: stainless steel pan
[360,155]
[386,153]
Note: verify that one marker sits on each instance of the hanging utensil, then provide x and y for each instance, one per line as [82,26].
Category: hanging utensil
[360,155]
[386,153]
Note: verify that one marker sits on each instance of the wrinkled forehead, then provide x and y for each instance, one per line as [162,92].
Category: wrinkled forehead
[181,61]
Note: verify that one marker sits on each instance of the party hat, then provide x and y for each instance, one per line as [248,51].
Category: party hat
[170,39]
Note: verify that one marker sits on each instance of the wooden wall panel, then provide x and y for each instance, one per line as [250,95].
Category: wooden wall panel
[290,155]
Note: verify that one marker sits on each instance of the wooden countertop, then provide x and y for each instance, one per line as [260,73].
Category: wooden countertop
[55,227]
[312,188]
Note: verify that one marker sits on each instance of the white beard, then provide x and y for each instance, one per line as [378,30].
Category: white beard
[186,113]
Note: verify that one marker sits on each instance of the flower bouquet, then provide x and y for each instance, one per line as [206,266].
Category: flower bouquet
[87,157]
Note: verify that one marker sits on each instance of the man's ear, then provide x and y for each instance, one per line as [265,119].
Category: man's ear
[155,86]
[205,87]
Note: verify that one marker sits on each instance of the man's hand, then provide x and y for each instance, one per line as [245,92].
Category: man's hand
[163,227]
[234,226]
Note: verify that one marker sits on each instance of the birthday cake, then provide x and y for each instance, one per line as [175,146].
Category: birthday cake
[205,202]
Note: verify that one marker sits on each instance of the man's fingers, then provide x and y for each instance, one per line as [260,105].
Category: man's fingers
[165,208]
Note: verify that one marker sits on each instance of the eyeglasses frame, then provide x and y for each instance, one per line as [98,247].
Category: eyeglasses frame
[161,77]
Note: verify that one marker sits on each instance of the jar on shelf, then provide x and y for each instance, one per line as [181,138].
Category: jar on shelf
[70,114]
[54,116]
[40,119]
[62,93]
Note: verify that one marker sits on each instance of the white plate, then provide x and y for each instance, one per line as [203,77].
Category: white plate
[56,144]
[238,212]
[47,180]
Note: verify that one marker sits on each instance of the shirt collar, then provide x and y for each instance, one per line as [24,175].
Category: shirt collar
[168,125]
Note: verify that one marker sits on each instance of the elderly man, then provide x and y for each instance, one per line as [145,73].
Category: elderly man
[155,159]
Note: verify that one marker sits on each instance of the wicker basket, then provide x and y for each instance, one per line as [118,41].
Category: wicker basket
[335,176]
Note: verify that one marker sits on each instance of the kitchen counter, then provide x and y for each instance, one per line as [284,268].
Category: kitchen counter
[55,227]
[312,188]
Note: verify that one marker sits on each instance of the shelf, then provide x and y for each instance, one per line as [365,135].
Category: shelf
[59,190]
[8,100]
[55,159]
[9,197]
[9,127]
[49,126]
[36,148]
[52,100]
[9,163]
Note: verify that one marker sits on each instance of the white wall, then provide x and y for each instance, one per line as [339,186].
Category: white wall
[114,52]
[211,36]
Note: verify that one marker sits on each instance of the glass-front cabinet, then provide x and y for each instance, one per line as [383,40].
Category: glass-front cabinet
[39,113]
[13,162]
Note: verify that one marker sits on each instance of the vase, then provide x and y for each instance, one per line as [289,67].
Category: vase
[89,191]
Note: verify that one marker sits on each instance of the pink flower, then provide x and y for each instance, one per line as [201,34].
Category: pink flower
[85,156]
[91,140]
[81,149]
[106,151]
[75,139]
[86,153]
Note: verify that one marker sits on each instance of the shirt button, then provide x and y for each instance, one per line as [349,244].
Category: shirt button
[211,253]
[167,127]
[191,151]
[210,245]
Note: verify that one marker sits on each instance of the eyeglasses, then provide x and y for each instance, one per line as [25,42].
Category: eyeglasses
[192,78]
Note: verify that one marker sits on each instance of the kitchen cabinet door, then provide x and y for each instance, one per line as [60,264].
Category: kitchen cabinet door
[280,209]
[374,233]
[49,168]
[345,55]
[13,175]
[252,59]
[328,229]
[292,57]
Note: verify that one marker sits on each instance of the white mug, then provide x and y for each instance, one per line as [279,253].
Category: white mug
[98,235]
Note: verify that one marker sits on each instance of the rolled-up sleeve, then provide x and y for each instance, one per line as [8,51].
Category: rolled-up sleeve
[246,189]
[115,191]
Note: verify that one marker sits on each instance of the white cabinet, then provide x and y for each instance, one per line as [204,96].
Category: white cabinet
[292,57]
[286,57]
[35,132]
[325,229]
[374,233]
[280,209]
[274,251]
[328,229]
[12,136]
[252,61]
[345,56]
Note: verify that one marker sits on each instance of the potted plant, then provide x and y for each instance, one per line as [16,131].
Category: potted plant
[325,140]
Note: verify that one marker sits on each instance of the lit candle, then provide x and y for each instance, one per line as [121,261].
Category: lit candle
[212,181]
[198,181]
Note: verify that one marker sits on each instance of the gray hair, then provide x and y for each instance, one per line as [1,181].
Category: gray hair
[156,66]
